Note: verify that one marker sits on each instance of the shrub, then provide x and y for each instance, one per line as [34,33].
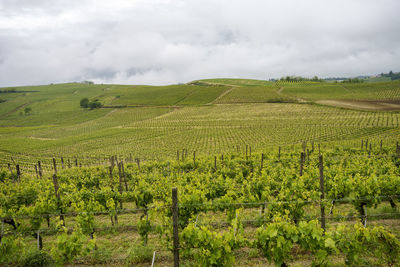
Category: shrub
[99,255]
[84,103]
[144,227]
[68,247]
[210,248]
[277,239]
[11,249]
[139,254]
[37,258]
[95,104]
[357,242]
[27,110]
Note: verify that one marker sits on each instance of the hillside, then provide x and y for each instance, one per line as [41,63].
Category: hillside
[207,116]
[251,160]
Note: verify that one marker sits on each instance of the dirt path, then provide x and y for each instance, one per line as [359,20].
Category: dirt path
[41,138]
[363,104]
[221,96]
[298,99]
[13,110]
[223,84]
[183,98]
[165,114]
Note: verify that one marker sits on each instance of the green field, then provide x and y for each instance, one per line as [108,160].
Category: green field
[232,149]
[207,116]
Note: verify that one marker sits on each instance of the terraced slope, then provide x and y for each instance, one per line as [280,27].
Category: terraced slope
[206,116]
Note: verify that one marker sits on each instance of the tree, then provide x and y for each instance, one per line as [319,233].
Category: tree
[84,102]
[27,110]
[95,104]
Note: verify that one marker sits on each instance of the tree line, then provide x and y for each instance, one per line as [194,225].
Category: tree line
[86,103]
[392,75]
[300,79]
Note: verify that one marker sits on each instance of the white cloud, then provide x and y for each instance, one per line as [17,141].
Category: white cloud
[165,41]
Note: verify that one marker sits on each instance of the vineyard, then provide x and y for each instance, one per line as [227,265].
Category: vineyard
[217,172]
[239,201]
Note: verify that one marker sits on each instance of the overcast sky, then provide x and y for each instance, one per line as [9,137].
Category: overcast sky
[174,41]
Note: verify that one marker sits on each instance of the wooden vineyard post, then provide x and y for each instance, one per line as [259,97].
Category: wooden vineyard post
[194,158]
[55,183]
[124,175]
[55,165]
[321,188]
[110,169]
[2,232]
[366,144]
[183,154]
[40,169]
[112,162]
[120,184]
[39,240]
[62,163]
[175,214]
[177,155]
[381,146]
[9,168]
[397,149]
[154,258]
[301,163]
[279,153]
[76,162]
[18,172]
[215,162]
[262,161]
[112,189]
[69,164]
[369,151]
[36,171]
[250,151]
[319,149]
[312,146]
[138,163]
[362,144]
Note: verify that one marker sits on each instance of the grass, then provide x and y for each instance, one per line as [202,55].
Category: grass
[148,132]
[255,94]
[161,95]
[341,91]
[378,79]
[206,116]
